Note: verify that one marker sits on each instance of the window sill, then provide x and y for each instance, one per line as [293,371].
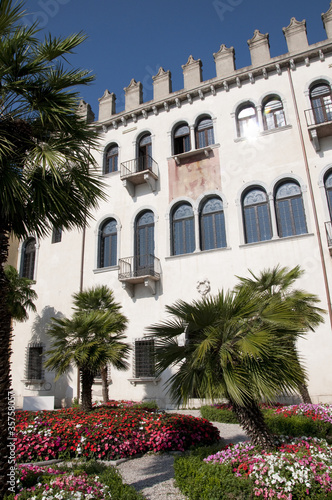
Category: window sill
[110,174]
[196,252]
[33,381]
[99,382]
[105,269]
[276,240]
[144,380]
[194,152]
[262,133]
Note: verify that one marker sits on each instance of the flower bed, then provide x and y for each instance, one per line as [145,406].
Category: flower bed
[321,412]
[300,468]
[106,433]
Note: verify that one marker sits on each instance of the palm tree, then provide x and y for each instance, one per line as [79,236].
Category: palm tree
[90,340]
[100,298]
[238,346]
[20,296]
[278,282]
[45,157]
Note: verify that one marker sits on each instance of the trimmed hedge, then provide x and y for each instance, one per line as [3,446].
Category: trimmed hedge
[199,480]
[214,414]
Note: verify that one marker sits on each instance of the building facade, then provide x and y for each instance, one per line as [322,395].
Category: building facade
[225,175]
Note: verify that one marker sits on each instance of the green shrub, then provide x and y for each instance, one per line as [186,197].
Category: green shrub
[298,425]
[200,481]
[215,415]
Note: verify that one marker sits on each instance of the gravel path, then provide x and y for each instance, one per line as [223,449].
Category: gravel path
[153,475]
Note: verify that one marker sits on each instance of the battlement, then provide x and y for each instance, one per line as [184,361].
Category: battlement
[299,52]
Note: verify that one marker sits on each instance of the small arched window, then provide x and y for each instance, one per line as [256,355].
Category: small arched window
[273,114]
[108,244]
[183,229]
[256,215]
[321,102]
[247,125]
[204,133]
[144,153]
[111,159]
[28,259]
[328,190]
[212,224]
[182,139]
[290,210]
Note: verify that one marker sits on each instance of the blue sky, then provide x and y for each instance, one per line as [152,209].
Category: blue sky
[133,38]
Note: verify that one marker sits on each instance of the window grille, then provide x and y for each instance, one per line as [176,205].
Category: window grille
[144,365]
[34,367]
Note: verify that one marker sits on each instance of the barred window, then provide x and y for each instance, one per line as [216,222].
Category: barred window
[34,367]
[144,365]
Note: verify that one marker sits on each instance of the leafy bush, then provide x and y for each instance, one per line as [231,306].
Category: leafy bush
[198,480]
[81,476]
[298,425]
[214,414]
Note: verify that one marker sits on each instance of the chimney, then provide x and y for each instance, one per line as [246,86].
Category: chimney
[259,48]
[106,106]
[327,21]
[192,73]
[162,84]
[225,61]
[296,35]
[133,95]
[84,111]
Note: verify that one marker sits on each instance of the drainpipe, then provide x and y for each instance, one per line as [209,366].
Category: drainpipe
[306,164]
[78,382]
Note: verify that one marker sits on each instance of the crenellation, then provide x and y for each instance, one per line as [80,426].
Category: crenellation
[327,21]
[192,73]
[106,106]
[296,35]
[224,61]
[162,84]
[259,48]
[133,95]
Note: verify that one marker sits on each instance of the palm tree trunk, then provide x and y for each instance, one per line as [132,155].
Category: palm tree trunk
[87,382]
[104,384]
[5,376]
[303,390]
[251,419]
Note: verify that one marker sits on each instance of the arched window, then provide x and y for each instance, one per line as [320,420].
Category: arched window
[28,259]
[290,210]
[212,224]
[247,121]
[328,190]
[144,243]
[181,139]
[273,114]
[204,133]
[144,153]
[256,215]
[108,244]
[183,230]
[321,102]
[111,159]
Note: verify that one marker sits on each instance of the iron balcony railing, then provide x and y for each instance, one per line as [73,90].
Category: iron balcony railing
[137,165]
[328,228]
[139,266]
[318,115]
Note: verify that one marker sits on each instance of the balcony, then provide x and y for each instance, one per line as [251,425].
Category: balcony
[319,123]
[328,229]
[139,171]
[139,269]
